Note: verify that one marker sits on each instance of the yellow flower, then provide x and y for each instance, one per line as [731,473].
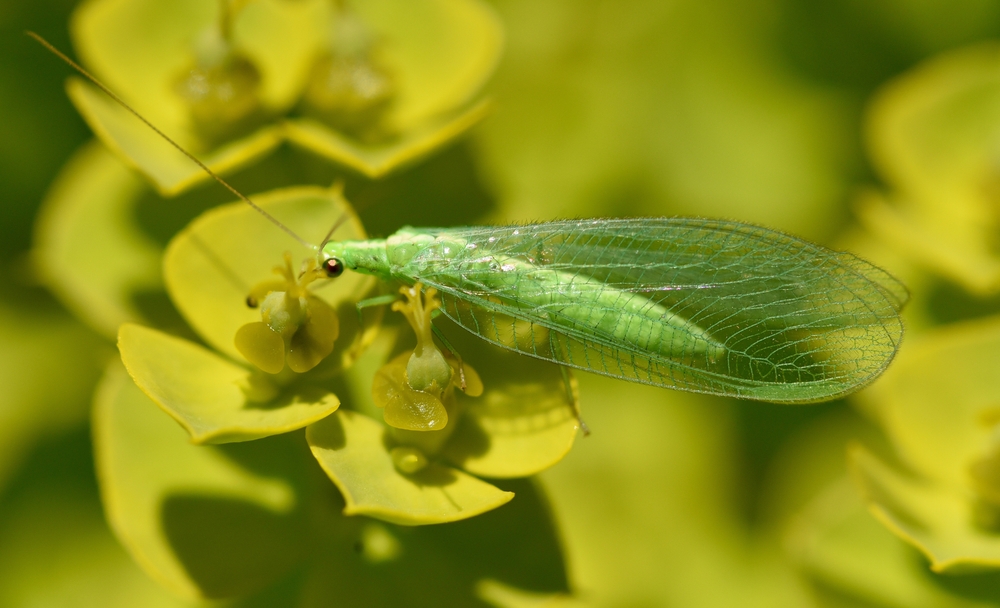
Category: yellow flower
[416,389]
[296,326]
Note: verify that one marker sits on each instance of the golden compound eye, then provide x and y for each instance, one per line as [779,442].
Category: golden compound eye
[333,267]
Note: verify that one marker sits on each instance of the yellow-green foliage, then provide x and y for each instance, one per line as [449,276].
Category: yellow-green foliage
[163,443]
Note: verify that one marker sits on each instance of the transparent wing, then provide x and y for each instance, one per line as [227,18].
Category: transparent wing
[796,322]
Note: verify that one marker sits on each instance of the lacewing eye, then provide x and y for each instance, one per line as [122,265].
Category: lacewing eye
[333,267]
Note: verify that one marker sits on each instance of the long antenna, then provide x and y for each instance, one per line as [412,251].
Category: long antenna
[340,222]
[193,158]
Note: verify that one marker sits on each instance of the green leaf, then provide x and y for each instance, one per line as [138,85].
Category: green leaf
[375,160]
[87,245]
[352,449]
[211,266]
[215,400]
[141,49]
[204,521]
[522,424]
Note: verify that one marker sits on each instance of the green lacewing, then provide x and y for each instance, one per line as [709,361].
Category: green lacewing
[707,306]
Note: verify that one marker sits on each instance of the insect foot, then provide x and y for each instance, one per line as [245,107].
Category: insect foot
[296,327]
[417,388]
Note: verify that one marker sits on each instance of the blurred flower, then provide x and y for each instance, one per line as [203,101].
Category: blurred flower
[938,406]
[383,86]
[212,75]
[932,134]
[392,82]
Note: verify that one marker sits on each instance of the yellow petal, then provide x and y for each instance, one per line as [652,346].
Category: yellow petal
[314,339]
[351,449]
[200,520]
[406,408]
[214,399]
[416,411]
[261,346]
